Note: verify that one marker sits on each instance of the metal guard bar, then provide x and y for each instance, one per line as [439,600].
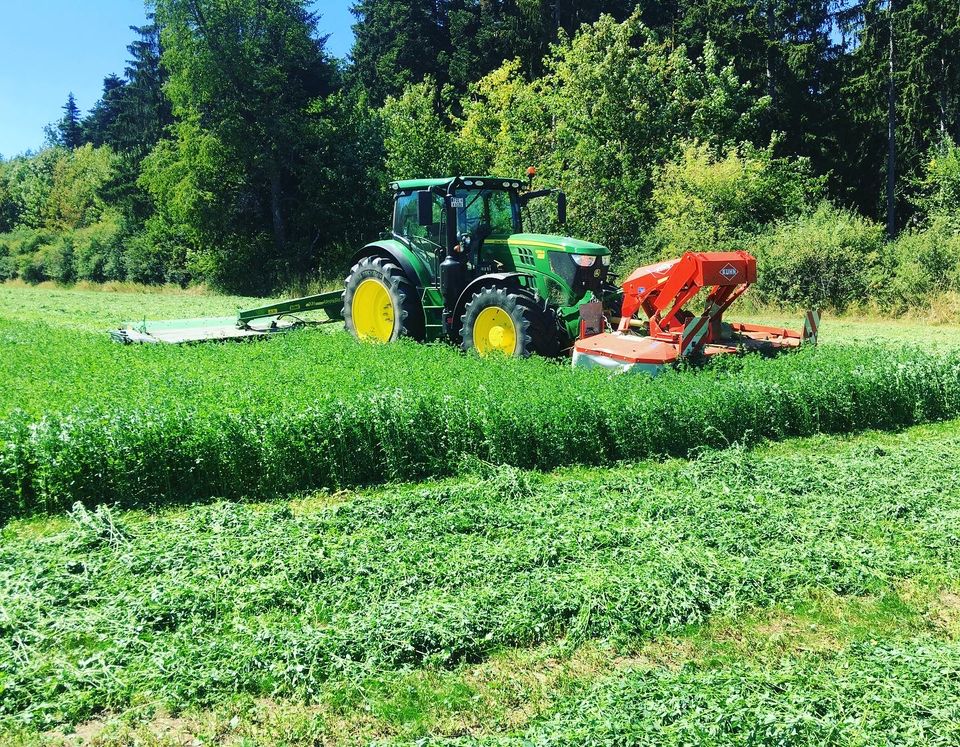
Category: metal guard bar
[320,301]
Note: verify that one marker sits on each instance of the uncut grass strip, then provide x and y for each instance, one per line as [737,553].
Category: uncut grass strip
[528,414]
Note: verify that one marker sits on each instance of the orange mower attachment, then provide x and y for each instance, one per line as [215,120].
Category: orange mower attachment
[660,291]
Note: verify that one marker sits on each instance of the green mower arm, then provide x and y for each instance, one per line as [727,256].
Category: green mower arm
[329,302]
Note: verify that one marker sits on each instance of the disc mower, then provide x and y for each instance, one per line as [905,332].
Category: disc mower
[660,293]
[457,265]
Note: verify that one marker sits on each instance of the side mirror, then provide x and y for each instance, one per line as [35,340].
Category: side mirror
[425,207]
[561,208]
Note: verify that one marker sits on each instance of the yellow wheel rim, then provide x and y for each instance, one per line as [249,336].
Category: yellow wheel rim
[494,332]
[372,311]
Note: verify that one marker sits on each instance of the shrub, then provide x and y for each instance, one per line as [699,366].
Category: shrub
[58,259]
[31,269]
[158,254]
[829,259]
[939,188]
[99,250]
[92,253]
[705,202]
[24,241]
[924,263]
[144,261]
[8,268]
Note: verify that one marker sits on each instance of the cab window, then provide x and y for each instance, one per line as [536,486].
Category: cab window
[502,212]
[491,212]
[406,220]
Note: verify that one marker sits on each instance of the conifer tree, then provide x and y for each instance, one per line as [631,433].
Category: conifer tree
[69,129]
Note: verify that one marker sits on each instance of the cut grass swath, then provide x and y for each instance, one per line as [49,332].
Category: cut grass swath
[105,609]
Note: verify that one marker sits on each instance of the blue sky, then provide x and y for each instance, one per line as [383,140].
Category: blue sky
[49,48]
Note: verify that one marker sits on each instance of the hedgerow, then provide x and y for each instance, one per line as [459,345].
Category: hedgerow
[143,426]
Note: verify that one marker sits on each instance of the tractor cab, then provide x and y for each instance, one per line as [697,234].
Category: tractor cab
[456,251]
[478,209]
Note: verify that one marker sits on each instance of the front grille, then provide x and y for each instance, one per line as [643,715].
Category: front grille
[580,279]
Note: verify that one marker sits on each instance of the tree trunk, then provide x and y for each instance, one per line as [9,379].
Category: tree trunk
[276,212]
[771,32]
[944,83]
[891,131]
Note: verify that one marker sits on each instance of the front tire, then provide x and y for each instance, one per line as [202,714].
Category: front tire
[508,322]
[380,303]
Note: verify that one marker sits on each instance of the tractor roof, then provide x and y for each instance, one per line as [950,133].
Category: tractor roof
[499,181]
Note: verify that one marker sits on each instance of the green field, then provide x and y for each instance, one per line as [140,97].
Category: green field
[92,421]
[802,591]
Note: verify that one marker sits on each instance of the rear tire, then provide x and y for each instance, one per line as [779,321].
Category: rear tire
[510,322]
[380,303]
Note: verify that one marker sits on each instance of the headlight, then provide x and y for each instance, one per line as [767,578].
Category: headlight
[584,260]
[606,260]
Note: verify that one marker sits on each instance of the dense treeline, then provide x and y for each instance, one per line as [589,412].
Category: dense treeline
[235,151]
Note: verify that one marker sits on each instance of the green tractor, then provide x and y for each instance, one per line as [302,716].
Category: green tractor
[456,265]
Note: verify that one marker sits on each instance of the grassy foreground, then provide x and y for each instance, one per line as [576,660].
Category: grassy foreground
[797,593]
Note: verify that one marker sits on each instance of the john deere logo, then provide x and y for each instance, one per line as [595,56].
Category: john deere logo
[729,272]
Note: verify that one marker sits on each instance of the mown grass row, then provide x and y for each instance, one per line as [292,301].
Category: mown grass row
[322,411]
[106,609]
[893,692]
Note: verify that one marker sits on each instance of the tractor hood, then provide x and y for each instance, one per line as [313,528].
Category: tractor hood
[556,243]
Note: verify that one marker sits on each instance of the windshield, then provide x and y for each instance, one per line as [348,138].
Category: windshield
[487,212]
[480,213]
